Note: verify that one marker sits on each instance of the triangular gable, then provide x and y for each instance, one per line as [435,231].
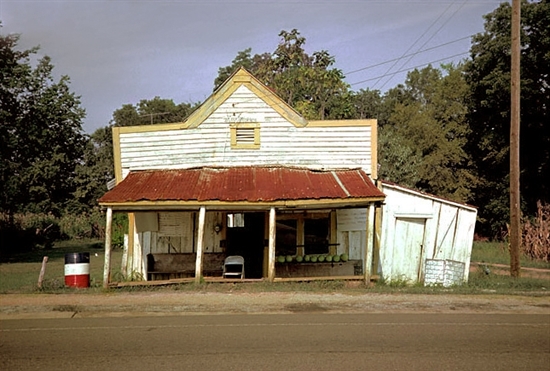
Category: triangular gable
[239,78]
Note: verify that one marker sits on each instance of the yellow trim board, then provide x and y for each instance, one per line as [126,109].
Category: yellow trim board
[239,78]
[374,151]
[292,204]
[342,123]
[117,155]
[154,127]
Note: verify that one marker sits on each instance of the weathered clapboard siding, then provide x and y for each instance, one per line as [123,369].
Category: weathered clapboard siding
[416,227]
[173,233]
[281,142]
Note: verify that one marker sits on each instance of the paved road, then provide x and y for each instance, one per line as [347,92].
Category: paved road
[305,341]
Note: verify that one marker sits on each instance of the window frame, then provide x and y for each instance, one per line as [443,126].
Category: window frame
[236,144]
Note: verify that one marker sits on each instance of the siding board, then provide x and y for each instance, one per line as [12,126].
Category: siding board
[447,234]
[280,142]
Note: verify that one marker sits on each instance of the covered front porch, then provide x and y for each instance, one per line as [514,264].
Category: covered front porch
[260,214]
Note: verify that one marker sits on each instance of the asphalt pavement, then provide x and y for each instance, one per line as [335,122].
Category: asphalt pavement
[277,341]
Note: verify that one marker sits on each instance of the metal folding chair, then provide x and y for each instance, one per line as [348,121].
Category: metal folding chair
[233,267]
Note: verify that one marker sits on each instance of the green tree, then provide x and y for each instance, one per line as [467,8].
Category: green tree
[256,65]
[310,84]
[488,75]
[423,142]
[96,170]
[367,104]
[152,111]
[41,133]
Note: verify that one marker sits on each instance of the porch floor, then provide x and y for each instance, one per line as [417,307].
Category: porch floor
[177,281]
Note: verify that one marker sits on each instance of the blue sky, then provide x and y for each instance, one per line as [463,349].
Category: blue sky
[121,51]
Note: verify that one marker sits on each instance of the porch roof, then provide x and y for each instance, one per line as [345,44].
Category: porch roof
[242,188]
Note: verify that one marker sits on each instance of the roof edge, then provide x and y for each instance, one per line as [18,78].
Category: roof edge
[224,205]
[389,184]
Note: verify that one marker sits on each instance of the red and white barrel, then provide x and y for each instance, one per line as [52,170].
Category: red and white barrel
[77,269]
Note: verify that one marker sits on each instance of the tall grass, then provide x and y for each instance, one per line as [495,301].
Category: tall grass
[498,253]
[20,273]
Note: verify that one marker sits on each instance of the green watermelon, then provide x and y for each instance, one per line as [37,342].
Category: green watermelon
[307,258]
[313,259]
[281,259]
[328,258]
[344,257]
[321,258]
[289,258]
[336,258]
[299,259]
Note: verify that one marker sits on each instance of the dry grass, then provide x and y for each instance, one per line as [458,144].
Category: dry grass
[536,234]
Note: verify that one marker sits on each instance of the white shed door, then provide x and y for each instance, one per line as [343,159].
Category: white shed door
[407,254]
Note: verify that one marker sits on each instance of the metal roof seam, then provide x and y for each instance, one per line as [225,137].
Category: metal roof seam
[340,183]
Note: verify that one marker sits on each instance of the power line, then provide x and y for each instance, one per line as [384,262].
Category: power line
[427,41]
[413,44]
[412,54]
[154,114]
[408,69]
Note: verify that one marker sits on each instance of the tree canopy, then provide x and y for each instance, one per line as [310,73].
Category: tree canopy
[152,111]
[488,77]
[422,141]
[308,83]
[444,130]
[41,139]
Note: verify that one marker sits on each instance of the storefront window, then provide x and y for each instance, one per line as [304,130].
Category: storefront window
[303,234]
[235,220]
[316,236]
[286,237]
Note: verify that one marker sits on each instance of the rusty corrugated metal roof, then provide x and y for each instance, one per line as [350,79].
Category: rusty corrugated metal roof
[242,184]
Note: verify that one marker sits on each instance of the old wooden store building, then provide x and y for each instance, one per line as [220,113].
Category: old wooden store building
[246,177]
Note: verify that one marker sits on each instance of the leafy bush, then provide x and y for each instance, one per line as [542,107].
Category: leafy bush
[24,232]
[86,225]
[119,229]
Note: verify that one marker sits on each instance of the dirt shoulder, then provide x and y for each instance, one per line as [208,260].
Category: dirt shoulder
[78,305]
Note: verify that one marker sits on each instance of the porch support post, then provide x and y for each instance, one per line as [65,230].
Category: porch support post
[200,244]
[369,244]
[377,238]
[272,230]
[107,264]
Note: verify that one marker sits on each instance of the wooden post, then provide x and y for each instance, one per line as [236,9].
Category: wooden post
[369,243]
[131,245]
[272,231]
[200,244]
[377,238]
[333,249]
[515,209]
[42,272]
[265,261]
[107,264]
[300,236]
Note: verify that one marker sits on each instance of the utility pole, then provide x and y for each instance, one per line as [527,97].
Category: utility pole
[515,210]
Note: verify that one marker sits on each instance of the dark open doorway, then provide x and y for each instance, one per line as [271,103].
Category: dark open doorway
[245,237]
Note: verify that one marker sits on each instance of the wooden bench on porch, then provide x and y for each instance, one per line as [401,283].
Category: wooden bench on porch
[181,265]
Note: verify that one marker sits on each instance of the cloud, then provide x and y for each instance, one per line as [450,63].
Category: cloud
[119,52]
